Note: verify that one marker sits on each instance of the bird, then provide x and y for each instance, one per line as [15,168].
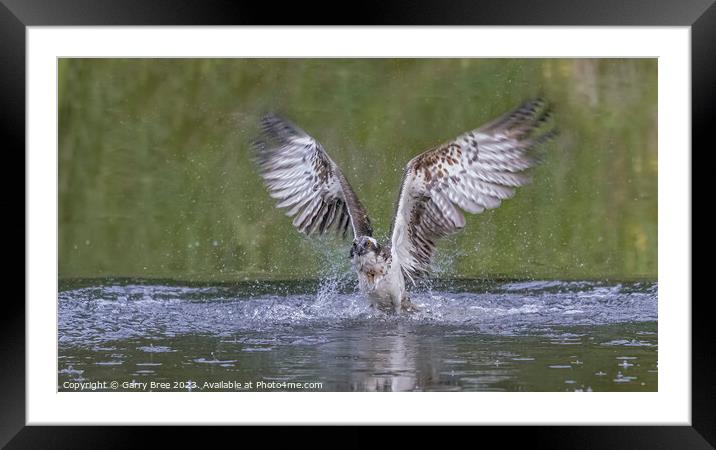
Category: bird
[472,173]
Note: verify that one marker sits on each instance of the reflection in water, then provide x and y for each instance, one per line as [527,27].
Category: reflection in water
[527,336]
[385,362]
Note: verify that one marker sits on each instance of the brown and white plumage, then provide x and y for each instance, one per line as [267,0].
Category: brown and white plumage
[300,174]
[474,172]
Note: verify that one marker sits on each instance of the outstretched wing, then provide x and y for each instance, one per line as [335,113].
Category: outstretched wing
[299,173]
[474,172]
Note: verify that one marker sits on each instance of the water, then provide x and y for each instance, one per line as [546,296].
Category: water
[470,335]
[155,182]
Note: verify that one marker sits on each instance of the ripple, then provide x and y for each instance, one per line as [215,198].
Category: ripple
[628,343]
[214,361]
[156,349]
[98,314]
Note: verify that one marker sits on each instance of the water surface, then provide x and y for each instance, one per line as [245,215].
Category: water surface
[470,335]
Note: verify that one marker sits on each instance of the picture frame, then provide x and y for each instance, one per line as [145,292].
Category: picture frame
[17,15]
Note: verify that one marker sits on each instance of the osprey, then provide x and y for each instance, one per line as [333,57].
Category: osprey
[472,173]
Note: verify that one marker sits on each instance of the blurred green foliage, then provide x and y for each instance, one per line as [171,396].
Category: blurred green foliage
[156,179]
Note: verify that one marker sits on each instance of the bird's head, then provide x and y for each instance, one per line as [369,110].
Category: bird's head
[363,245]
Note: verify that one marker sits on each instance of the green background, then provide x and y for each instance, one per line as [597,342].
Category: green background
[155,176]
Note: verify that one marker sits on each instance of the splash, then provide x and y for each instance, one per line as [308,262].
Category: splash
[104,313]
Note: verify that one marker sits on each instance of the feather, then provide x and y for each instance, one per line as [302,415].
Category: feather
[474,172]
[299,173]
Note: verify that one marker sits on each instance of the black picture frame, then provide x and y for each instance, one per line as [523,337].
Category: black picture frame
[16,15]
